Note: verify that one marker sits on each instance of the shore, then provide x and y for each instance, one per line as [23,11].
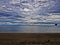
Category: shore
[29,39]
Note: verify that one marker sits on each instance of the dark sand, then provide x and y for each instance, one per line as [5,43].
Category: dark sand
[29,39]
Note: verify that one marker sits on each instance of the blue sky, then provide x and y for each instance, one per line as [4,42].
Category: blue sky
[28,11]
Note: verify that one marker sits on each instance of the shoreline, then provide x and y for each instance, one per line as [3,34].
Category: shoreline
[29,38]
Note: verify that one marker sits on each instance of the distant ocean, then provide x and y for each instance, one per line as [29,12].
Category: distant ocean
[30,29]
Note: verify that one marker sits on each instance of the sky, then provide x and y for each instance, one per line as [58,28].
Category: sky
[16,11]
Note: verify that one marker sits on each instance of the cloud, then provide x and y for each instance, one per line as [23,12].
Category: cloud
[36,11]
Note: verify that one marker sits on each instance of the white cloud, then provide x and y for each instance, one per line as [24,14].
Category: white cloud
[15,1]
[31,10]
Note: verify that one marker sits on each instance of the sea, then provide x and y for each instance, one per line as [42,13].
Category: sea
[30,29]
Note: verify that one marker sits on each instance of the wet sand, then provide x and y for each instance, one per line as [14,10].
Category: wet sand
[29,39]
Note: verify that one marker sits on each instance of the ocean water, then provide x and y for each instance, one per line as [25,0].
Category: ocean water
[30,29]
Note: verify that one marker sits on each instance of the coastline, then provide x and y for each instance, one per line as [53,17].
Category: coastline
[29,38]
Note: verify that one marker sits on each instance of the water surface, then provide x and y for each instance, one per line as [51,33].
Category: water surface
[30,29]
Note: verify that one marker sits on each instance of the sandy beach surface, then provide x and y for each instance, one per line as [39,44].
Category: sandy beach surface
[29,39]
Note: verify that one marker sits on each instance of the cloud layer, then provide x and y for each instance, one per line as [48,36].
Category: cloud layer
[18,11]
